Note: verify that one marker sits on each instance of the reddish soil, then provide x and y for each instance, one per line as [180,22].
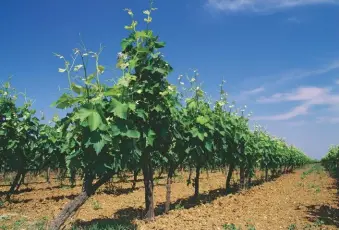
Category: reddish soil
[273,205]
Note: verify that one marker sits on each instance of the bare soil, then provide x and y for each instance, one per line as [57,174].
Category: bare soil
[279,204]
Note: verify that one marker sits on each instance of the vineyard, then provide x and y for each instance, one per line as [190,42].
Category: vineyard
[143,150]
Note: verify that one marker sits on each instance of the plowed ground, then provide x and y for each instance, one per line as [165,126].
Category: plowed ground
[292,201]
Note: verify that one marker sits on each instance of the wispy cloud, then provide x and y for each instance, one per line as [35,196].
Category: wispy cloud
[262,5]
[293,20]
[309,96]
[296,123]
[313,95]
[297,111]
[299,74]
[274,80]
[328,119]
[244,95]
[254,91]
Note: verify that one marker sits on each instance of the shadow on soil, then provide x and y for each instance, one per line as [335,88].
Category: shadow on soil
[57,198]
[325,213]
[107,224]
[21,201]
[123,218]
[117,191]
[2,193]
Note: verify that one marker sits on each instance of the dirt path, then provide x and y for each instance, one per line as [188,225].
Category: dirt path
[273,205]
[288,201]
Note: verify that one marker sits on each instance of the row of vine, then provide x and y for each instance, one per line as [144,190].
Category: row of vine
[140,123]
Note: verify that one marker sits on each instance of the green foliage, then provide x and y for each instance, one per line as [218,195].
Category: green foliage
[19,132]
[25,143]
[331,161]
[96,132]
[139,122]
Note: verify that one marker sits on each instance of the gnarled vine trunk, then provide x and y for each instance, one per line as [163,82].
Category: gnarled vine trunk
[148,182]
[22,180]
[190,174]
[18,179]
[196,182]
[168,189]
[48,173]
[249,182]
[162,169]
[207,174]
[72,178]
[242,177]
[88,190]
[229,176]
[135,178]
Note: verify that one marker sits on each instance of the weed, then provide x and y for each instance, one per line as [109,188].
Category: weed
[65,187]
[156,181]
[312,186]
[41,224]
[123,178]
[319,223]
[179,206]
[4,217]
[315,168]
[3,227]
[19,223]
[96,205]
[179,177]
[103,226]
[230,227]
[250,227]
[307,227]
[292,227]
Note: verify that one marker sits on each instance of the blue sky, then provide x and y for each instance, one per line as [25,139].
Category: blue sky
[279,57]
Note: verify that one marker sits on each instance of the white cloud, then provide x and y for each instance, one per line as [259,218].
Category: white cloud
[313,95]
[297,111]
[262,5]
[309,96]
[244,95]
[254,91]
